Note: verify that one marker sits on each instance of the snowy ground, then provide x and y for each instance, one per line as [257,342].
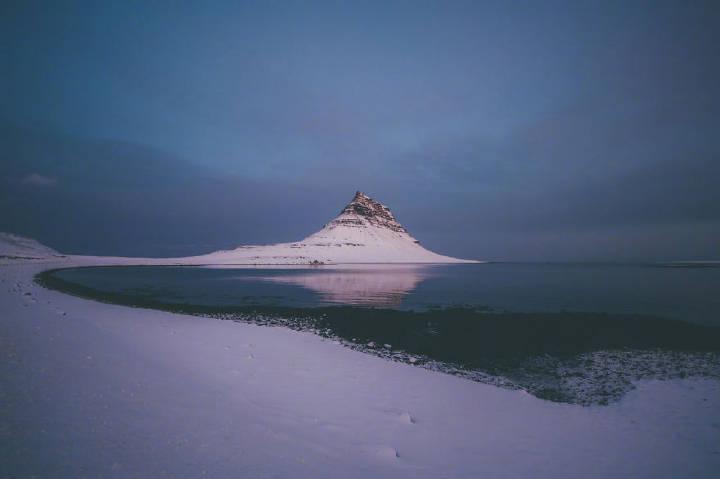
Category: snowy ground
[96,390]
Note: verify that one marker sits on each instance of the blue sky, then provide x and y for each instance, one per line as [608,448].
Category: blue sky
[501,130]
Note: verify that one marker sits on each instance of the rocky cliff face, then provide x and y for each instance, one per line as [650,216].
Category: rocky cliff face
[363,211]
[363,222]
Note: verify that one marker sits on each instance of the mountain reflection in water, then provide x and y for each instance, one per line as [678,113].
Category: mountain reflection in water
[358,285]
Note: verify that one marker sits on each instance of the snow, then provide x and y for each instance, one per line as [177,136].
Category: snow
[15,247]
[95,390]
[364,232]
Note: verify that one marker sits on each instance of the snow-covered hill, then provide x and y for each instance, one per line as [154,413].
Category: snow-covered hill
[365,231]
[19,247]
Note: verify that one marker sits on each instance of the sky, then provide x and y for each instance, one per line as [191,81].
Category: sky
[511,130]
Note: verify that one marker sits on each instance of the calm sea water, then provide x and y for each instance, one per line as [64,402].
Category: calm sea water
[688,294]
[566,332]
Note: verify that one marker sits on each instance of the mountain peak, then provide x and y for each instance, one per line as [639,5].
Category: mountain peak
[365,231]
[360,196]
[370,211]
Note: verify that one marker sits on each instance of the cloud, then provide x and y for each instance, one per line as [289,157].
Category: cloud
[35,179]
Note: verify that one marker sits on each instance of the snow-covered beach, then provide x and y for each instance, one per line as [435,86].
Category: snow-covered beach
[96,390]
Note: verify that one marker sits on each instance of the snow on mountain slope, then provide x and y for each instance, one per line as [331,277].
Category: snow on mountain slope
[364,232]
[18,247]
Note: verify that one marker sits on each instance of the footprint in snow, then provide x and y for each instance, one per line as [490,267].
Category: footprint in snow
[403,416]
[406,418]
[387,453]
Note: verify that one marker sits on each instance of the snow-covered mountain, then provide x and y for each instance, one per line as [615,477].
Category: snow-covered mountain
[365,231]
[19,247]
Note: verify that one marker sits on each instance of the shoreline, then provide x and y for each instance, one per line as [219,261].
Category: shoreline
[532,355]
[98,390]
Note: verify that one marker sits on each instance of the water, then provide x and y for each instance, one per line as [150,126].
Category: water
[689,294]
[576,333]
